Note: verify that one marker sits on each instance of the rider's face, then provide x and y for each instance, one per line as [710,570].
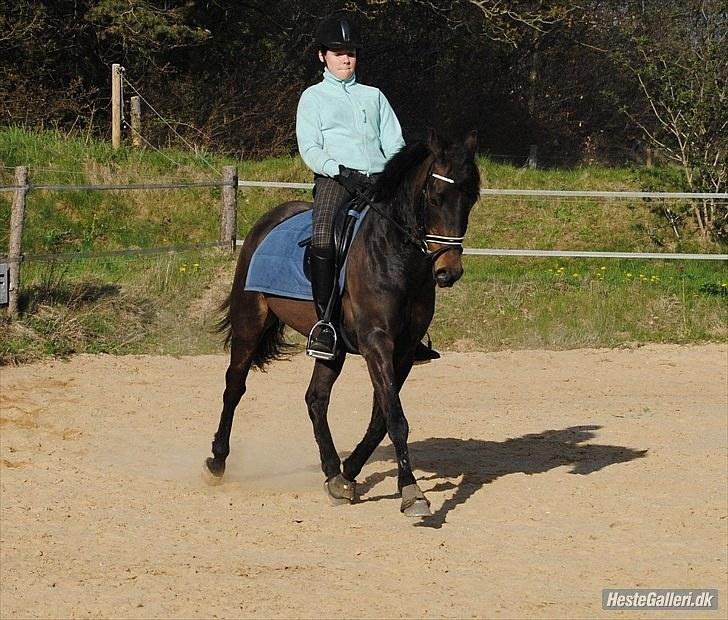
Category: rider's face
[341,63]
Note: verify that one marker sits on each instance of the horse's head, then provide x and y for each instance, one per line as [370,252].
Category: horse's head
[451,188]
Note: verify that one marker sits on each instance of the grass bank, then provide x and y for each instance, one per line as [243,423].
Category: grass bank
[167,303]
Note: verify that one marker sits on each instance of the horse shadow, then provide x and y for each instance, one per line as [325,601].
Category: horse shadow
[481,462]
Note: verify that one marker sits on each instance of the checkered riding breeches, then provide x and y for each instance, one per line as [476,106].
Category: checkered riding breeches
[328,195]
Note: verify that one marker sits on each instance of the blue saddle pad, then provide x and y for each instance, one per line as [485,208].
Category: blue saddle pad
[277,263]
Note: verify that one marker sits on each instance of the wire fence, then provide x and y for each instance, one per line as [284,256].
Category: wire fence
[485,192]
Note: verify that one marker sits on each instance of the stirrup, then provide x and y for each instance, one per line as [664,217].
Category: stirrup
[321,355]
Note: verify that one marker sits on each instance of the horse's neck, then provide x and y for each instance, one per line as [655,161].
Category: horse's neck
[391,253]
[406,207]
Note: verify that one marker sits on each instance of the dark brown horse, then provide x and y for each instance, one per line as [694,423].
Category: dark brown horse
[409,242]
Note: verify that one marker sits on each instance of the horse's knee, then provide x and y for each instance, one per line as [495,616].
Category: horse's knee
[317,401]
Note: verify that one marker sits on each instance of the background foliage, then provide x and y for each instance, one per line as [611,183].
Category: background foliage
[229,73]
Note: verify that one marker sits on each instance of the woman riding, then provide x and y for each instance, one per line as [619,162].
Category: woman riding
[346,132]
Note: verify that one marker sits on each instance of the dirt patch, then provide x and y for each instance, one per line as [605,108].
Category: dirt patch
[552,475]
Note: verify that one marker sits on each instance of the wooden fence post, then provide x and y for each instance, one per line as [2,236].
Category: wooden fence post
[136,121]
[229,221]
[17,215]
[533,156]
[116,105]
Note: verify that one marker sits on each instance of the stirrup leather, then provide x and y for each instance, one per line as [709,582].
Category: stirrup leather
[321,355]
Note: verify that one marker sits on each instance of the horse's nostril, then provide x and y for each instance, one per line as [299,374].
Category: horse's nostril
[447,276]
[444,277]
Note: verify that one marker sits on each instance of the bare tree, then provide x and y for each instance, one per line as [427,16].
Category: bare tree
[680,64]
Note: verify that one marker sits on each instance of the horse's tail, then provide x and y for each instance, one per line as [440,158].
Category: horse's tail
[224,325]
[272,346]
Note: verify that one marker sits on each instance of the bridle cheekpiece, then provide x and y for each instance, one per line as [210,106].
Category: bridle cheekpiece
[449,243]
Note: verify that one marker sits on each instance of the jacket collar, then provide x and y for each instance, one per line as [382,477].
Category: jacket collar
[332,79]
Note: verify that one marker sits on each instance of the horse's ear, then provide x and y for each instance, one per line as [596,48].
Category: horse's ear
[471,142]
[436,145]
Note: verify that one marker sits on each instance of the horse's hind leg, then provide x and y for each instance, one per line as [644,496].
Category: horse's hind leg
[241,355]
[317,399]
[243,345]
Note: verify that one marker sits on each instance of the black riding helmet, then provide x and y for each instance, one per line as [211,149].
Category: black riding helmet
[338,32]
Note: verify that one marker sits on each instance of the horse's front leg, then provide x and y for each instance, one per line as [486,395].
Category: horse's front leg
[325,373]
[377,428]
[379,354]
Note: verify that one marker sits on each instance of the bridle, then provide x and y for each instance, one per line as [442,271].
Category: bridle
[448,243]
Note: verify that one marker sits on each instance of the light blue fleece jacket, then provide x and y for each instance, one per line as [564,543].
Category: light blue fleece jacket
[344,122]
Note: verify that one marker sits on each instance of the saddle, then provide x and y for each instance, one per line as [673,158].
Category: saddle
[345,221]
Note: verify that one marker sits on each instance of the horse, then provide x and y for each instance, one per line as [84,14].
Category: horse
[409,244]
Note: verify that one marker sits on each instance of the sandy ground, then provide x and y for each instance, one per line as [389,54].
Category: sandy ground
[552,475]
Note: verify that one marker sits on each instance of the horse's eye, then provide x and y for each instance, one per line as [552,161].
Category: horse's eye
[436,199]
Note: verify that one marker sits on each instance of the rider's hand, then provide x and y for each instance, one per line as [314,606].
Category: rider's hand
[353,181]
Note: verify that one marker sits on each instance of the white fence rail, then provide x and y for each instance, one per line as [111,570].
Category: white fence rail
[531,193]
[10,264]
[580,254]
[535,192]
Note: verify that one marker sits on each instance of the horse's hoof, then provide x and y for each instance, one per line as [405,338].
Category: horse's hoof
[212,473]
[340,490]
[414,502]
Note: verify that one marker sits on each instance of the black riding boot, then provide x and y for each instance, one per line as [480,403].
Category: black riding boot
[322,339]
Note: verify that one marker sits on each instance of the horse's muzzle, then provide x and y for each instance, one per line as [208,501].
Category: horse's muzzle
[447,276]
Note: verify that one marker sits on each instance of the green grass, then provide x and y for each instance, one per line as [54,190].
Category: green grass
[565,304]
[166,303]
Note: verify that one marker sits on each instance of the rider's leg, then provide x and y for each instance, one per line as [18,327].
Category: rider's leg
[328,195]
[322,340]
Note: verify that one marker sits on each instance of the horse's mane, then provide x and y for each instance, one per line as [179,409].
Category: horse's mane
[391,187]
[396,188]
[396,169]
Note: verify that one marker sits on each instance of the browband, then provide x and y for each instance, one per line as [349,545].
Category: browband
[442,178]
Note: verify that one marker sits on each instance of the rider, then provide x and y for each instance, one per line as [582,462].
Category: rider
[346,132]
